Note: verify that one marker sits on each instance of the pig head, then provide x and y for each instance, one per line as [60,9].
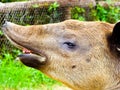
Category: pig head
[82,55]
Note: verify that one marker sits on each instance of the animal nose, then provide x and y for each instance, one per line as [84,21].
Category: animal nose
[5,24]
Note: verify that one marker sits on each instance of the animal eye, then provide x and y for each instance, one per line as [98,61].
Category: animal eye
[70,45]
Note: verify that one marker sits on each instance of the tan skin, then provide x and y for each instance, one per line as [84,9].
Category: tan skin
[76,53]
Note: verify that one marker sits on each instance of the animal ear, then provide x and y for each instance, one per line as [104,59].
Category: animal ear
[116,34]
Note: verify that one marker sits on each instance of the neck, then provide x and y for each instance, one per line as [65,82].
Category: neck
[114,83]
[107,79]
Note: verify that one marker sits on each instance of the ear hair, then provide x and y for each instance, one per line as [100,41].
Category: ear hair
[118,49]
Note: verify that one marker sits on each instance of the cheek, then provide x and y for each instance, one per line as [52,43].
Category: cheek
[84,47]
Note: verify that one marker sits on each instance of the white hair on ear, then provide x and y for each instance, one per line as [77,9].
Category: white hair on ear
[118,49]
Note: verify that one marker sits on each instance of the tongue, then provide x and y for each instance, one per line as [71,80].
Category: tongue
[26,51]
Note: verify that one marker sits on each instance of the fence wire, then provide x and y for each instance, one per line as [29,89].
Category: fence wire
[28,16]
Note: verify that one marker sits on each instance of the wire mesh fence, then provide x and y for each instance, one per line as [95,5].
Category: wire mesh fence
[43,12]
[28,16]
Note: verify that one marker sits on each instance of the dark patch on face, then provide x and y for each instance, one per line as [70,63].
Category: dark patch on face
[74,66]
[88,60]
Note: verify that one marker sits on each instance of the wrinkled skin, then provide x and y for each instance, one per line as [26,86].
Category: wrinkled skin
[82,55]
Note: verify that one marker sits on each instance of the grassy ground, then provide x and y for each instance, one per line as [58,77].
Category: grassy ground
[15,76]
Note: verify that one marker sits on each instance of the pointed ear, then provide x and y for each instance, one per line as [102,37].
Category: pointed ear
[116,34]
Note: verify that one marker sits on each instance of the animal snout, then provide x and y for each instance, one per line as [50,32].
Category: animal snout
[5,24]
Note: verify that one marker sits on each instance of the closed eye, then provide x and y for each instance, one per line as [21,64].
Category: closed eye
[70,45]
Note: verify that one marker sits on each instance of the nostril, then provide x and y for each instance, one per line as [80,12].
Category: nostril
[5,24]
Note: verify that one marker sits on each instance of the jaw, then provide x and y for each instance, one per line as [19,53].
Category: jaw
[36,58]
[32,60]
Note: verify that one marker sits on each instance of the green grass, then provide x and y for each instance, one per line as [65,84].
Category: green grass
[15,76]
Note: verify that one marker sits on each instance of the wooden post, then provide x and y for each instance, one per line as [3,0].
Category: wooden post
[43,3]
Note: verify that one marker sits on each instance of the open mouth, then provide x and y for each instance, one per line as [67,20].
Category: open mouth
[26,51]
[30,57]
